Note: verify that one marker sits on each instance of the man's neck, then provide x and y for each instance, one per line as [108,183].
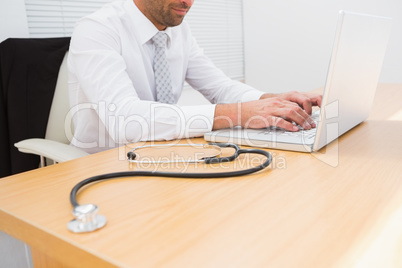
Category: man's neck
[140,6]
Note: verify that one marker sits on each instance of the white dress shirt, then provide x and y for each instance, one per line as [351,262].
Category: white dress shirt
[112,87]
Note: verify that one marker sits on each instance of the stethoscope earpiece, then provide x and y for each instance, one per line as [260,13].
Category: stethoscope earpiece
[131,155]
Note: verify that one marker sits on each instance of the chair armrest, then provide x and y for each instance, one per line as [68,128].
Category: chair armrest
[59,152]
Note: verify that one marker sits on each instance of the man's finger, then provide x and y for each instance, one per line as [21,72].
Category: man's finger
[282,123]
[297,115]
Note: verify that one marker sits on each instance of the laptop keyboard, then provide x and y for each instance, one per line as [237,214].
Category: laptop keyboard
[306,134]
[267,137]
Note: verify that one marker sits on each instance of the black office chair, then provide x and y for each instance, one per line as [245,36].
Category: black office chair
[33,83]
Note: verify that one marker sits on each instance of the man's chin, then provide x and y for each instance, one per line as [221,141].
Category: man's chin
[176,22]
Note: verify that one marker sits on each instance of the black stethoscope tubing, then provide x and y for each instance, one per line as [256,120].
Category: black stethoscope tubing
[207,160]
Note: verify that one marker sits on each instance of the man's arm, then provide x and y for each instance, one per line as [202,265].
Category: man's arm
[278,110]
[204,76]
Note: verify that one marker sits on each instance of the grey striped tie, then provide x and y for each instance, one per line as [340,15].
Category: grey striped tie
[163,80]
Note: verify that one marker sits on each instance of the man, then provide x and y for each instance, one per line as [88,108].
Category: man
[115,63]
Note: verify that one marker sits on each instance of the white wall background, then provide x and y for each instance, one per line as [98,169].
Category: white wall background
[13,21]
[288,42]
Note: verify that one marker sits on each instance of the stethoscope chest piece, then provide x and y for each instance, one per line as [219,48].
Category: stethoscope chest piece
[86,219]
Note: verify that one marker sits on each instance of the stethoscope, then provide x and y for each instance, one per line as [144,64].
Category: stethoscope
[86,217]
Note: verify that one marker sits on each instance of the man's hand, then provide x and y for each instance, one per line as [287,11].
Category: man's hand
[306,100]
[279,110]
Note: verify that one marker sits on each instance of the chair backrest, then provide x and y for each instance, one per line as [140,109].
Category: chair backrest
[60,106]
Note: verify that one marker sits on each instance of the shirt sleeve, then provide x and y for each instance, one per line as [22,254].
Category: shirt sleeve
[98,77]
[209,80]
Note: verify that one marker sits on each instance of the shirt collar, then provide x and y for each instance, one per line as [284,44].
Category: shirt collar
[145,29]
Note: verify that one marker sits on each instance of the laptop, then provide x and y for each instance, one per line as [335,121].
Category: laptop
[354,70]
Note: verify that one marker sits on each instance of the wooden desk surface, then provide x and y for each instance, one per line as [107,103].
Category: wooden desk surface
[339,209]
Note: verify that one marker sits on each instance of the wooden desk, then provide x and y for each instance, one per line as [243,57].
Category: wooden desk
[306,210]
